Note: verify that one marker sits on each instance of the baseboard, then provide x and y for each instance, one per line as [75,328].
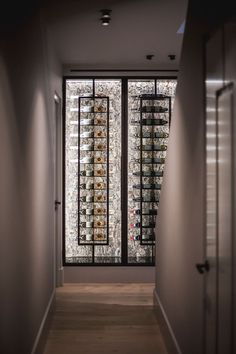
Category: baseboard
[165,327]
[43,329]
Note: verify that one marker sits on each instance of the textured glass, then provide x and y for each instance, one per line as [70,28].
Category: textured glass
[79,253]
[95,250]
[137,252]
[74,89]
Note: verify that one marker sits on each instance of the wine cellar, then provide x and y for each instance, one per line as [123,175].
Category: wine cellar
[116,138]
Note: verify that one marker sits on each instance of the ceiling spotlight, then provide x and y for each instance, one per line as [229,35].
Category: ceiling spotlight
[105,19]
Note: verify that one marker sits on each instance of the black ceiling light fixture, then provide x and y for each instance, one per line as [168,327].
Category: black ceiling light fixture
[106,17]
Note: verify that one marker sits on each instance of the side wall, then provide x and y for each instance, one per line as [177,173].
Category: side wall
[181,228]
[29,76]
[180,232]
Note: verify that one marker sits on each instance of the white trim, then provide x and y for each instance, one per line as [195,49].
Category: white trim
[175,342]
[40,331]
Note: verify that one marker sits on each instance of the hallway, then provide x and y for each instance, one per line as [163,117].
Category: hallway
[105,319]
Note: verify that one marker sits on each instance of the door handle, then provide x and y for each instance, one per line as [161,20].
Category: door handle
[203,267]
[57,202]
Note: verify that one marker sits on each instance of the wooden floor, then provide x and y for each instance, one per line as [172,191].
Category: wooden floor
[105,319]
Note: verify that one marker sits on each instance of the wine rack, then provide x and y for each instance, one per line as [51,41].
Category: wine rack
[93,170]
[153,112]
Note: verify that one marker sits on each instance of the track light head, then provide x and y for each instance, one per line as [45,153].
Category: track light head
[106,17]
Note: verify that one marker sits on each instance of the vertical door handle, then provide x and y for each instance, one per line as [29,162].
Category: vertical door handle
[203,267]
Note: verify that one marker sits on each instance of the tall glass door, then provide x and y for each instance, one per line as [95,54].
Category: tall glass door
[109,179]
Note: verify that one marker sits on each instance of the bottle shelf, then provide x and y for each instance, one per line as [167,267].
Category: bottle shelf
[149,174]
[149,160]
[153,147]
[138,226]
[93,112]
[145,200]
[148,186]
[149,122]
[143,238]
[146,212]
[145,125]
[152,135]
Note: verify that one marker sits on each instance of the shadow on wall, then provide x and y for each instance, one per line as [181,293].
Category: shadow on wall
[26,189]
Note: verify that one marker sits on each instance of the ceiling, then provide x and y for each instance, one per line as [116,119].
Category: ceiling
[137,28]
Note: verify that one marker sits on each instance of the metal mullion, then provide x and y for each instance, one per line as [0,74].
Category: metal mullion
[108,166]
[93,246]
[141,172]
[79,105]
[124,172]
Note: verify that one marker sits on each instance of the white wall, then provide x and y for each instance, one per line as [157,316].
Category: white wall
[29,76]
[180,232]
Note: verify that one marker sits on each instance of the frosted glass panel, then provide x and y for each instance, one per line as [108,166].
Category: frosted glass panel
[94,251]
[97,112]
[150,105]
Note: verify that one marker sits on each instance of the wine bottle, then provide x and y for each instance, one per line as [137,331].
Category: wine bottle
[148,237]
[100,198]
[154,109]
[147,135]
[86,211]
[86,173]
[99,223]
[99,237]
[149,160]
[87,237]
[87,109]
[151,96]
[100,121]
[149,173]
[87,121]
[146,212]
[87,186]
[100,147]
[138,225]
[99,109]
[87,135]
[100,172]
[99,160]
[89,147]
[86,224]
[147,199]
[100,211]
[161,135]
[87,160]
[86,199]
[100,185]
[148,186]
[100,134]
[150,121]
[135,238]
[153,147]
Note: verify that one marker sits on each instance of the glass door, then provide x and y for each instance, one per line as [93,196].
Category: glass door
[92,171]
[116,135]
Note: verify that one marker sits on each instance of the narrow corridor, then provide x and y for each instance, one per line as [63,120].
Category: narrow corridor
[105,319]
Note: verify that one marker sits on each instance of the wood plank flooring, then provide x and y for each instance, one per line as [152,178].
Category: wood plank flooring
[105,319]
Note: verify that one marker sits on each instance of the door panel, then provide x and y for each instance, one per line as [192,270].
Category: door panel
[214,81]
[219,296]
[225,163]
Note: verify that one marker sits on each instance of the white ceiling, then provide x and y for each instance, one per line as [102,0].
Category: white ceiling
[137,28]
